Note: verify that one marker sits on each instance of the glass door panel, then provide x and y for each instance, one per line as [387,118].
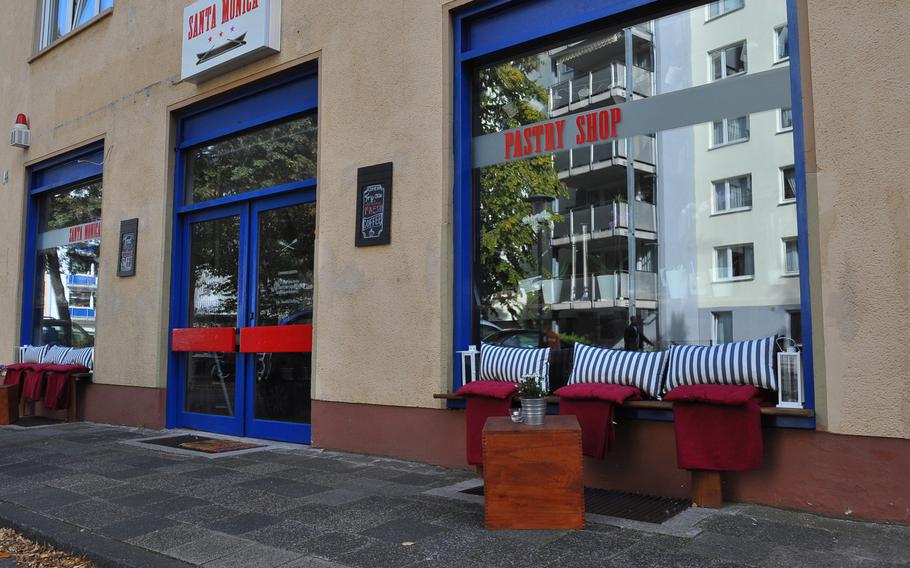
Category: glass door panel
[283,282]
[213,279]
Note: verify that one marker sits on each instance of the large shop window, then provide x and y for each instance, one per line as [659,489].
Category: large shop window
[600,164]
[67,242]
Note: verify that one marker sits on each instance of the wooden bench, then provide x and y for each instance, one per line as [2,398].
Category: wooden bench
[17,410]
[706,485]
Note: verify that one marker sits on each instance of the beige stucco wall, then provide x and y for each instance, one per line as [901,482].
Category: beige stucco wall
[383,319]
[860,73]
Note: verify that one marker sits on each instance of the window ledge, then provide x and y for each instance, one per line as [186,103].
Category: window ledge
[729,211]
[734,279]
[74,32]
[787,202]
[784,130]
[725,144]
[790,275]
[781,61]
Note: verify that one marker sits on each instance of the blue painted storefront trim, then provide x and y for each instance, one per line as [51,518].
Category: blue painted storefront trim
[278,98]
[499,28]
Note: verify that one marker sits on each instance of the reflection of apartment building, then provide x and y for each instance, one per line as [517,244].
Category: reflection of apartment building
[589,292]
[745,224]
[726,271]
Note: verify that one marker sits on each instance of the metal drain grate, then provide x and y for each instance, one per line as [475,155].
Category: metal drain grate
[643,508]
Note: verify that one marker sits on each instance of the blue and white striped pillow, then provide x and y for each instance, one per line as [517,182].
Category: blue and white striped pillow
[642,369]
[510,364]
[56,355]
[737,363]
[84,357]
[32,353]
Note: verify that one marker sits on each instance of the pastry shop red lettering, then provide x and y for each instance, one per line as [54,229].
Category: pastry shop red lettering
[596,126]
[534,139]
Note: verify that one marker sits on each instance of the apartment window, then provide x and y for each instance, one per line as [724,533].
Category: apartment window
[728,62]
[721,7]
[723,327]
[735,262]
[60,17]
[788,187]
[785,120]
[791,257]
[730,130]
[733,194]
[781,44]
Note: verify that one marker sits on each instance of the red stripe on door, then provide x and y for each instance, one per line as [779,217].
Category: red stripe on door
[205,339]
[277,339]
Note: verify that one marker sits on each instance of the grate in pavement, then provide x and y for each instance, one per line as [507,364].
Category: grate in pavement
[200,444]
[643,508]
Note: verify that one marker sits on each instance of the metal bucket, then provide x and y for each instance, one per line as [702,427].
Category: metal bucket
[533,410]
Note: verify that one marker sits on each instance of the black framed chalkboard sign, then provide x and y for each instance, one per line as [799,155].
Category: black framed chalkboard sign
[126,258]
[374,205]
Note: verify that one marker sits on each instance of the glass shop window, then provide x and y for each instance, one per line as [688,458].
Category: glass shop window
[68,243]
[578,228]
[60,17]
[268,156]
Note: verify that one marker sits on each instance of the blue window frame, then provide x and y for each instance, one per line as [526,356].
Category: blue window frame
[46,178]
[504,27]
[277,99]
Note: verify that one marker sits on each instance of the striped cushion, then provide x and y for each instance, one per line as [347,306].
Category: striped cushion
[32,353]
[641,369]
[84,357]
[512,363]
[56,355]
[737,363]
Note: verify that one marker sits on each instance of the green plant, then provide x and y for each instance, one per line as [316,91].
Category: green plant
[574,338]
[531,386]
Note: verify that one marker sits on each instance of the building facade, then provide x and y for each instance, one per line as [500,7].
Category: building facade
[199,172]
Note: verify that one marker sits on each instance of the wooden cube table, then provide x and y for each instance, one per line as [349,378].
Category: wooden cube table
[533,474]
[9,400]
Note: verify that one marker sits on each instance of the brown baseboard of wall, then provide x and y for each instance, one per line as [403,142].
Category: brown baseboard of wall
[851,477]
[123,405]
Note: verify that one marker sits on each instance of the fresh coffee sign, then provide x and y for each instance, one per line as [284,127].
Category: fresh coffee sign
[374,205]
[219,35]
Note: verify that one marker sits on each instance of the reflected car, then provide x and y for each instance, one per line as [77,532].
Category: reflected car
[65,332]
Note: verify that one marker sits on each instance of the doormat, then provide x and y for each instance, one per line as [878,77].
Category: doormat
[32,421]
[642,508]
[201,444]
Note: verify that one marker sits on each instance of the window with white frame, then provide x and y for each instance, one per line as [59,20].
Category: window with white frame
[785,120]
[788,184]
[791,257]
[60,17]
[733,194]
[728,61]
[781,44]
[730,130]
[723,327]
[734,262]
[720,7]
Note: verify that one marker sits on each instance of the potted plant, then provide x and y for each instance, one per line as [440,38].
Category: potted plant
[533,397]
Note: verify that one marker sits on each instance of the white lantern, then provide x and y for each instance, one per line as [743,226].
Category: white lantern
[469,364]
[790,390]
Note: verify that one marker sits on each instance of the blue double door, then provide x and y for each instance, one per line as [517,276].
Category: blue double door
[247,267]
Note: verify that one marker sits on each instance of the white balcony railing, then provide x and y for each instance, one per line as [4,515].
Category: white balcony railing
[592,155]
[594,219]
[600,84]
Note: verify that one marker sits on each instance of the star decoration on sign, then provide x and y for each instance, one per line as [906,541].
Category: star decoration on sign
[210,39]
[220,34]
[232,28]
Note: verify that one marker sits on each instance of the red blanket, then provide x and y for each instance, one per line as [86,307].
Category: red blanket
[57,388]
[484,399]
[33,387]
[718,427]
[15,372]
[592,405]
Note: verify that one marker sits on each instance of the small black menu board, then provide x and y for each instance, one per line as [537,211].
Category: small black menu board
[374,205]
[126,259]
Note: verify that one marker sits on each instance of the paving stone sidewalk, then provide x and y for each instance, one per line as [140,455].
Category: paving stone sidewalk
[85,487]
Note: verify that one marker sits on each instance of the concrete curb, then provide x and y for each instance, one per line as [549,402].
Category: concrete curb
[103,551]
